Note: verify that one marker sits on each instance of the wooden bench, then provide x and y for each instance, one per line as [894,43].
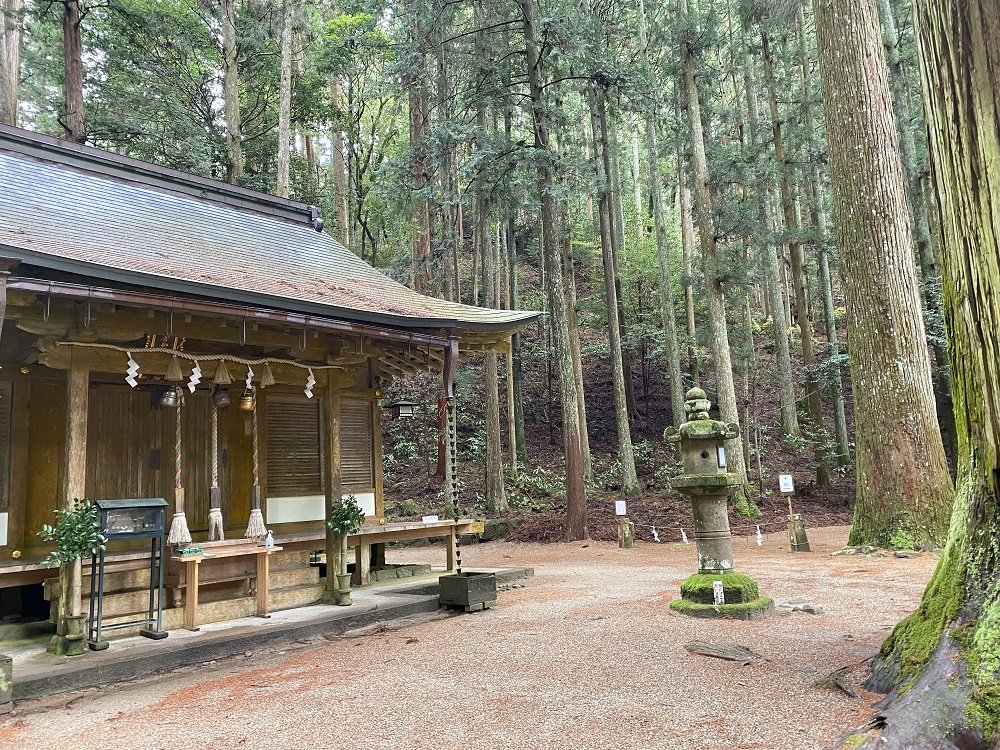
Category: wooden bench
[220,550]
[394,532]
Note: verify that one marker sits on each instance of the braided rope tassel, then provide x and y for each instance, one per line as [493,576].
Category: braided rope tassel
[255,528]
[179,533]
[215,522]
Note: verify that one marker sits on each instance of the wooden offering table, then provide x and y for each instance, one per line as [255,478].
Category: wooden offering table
[218,550]
[366,536]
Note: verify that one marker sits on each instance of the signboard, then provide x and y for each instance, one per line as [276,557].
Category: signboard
[430,519]
[620,508]
[785,483]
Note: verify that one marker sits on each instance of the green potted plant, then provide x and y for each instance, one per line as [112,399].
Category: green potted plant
[76,534]
[346,517]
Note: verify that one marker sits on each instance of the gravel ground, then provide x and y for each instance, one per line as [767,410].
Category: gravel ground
[586,655]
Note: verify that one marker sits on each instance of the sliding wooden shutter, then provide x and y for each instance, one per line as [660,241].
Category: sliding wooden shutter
[294,466]
[356,444]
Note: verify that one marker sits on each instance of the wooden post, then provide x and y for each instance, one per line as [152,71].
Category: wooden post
[192,567]
[362,564]
[331,455]
[77,406]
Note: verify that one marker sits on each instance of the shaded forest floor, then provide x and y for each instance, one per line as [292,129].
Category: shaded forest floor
[537,495]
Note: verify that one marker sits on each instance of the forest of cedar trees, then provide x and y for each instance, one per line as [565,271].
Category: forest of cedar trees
[795,207]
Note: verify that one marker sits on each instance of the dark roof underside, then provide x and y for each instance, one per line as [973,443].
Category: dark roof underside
[75,221]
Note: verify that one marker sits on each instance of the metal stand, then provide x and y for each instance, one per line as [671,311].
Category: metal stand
[151,626]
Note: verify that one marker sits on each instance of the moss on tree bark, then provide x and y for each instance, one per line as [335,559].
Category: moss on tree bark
[943,662]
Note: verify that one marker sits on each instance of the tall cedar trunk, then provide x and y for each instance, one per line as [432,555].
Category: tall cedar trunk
[569,282]
[719,333]
[902,107]
[788,419]
[72,114]
[231,93]
[944,660]
[496,500]
[818,217]
[418,182]
[617,215]
[667,308]
[508,304]
[10,59]
[687,256]
[626,457]
[903,481]
[446,157]
[285,98]
[517,372]
[576,495]
[796,256]
[338,164]
[921,230]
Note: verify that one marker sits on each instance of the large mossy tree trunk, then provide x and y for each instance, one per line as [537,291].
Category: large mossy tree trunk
[944,660]
[904,490]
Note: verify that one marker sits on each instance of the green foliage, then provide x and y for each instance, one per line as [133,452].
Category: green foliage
[77,533]
[346,516]
[532,489]
[902,540]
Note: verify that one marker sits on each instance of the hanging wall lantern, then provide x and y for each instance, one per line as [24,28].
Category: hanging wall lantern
[401,409]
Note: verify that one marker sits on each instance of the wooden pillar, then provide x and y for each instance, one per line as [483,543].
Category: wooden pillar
[75,478]
[331,456]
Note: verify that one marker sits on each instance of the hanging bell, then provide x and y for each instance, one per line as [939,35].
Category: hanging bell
[246,400]
[220,398]
[222,376]
[266,376]
[169,398]
[174,373]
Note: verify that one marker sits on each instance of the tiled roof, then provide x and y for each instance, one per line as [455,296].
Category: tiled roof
[67,218]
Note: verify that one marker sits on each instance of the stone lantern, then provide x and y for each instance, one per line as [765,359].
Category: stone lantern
[716,590]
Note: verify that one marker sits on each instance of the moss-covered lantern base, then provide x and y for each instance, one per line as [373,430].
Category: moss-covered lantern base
[742,599]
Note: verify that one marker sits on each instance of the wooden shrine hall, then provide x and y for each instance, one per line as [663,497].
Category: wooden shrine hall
[169,336]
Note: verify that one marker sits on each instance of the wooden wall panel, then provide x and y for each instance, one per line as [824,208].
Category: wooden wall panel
[46,448]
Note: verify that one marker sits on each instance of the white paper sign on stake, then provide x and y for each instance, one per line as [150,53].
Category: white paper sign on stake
[785,483]
[620,508]
[719,592]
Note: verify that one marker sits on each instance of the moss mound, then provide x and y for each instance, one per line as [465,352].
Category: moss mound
[736,587]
